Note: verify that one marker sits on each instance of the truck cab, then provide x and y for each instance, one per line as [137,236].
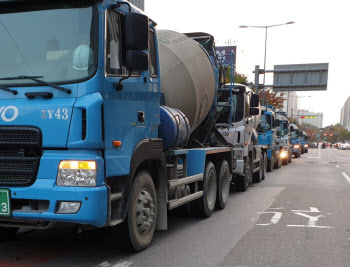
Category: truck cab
[305,138]
[295,139]
[267,137]
[284,138]
[238,129]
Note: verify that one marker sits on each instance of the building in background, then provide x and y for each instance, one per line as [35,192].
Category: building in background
[290,104]
[139,3]
[345,115]
[308,117]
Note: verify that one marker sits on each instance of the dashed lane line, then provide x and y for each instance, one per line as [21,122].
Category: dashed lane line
[346,177]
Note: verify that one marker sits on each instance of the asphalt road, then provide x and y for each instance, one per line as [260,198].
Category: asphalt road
[298,216]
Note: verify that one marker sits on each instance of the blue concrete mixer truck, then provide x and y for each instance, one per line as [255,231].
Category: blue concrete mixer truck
[106,122]
[296,140]
[267,138]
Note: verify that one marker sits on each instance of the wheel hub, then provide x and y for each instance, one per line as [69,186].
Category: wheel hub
[144,211]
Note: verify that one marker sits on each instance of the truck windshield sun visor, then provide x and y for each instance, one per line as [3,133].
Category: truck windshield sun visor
[35,78]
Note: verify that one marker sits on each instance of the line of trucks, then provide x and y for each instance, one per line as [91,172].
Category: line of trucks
[105,121]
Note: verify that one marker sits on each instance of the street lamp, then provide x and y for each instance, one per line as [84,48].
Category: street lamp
[266,27]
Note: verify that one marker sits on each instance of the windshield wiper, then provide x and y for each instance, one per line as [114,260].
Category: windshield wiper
[35,78]
[8,89]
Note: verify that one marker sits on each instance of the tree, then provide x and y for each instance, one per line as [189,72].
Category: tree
[239,78]
[273,98]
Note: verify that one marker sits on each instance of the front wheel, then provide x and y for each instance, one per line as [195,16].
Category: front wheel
[290,158]
[263,155]
[257,176]
[242,182]
[269,166]
[138,228]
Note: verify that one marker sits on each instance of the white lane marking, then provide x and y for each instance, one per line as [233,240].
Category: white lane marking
[337,166]
[281,208]
[319,155]
[312,219]
[104,264]
[118,264]
[312,209]
[274,220]
[346,177]
[123,264]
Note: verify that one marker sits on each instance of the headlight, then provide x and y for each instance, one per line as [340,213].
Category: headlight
[76,173]
[283,154]
[296,146]
[306,145]
[238,155]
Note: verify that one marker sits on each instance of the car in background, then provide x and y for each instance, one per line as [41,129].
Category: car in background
[344,146]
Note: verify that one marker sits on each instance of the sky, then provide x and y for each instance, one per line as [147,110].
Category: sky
[320,34]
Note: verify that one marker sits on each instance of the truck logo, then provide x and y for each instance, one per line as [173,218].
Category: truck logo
[9,113]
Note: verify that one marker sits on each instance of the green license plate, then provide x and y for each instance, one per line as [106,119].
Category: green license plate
[5,209]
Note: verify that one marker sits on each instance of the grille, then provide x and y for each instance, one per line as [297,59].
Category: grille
[17,136]
[18,171]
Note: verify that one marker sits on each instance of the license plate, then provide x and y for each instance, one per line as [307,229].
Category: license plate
[5,209]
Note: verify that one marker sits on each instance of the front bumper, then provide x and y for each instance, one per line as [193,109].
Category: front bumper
[94,200]
[239,170]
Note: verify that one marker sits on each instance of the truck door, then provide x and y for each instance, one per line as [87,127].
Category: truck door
[131,112]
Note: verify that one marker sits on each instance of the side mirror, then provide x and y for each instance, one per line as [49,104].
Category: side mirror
[254,100]
[254,111]
[136,60]
[136,31]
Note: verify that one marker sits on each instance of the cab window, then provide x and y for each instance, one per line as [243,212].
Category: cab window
[114,46]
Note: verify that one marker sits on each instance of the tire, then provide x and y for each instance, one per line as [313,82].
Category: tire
[8,233]
[278,164]
[242,182]
[204,206]
[257,177]
[302,151]
[306,150]
[269,166]
[290,158]
[223,176]
[285,161]
[138,227]
[264,166]
[296,155]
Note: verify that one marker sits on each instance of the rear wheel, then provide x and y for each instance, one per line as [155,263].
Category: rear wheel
[205,205]
[138,228]
[223,184]
[242,182]
[290,157]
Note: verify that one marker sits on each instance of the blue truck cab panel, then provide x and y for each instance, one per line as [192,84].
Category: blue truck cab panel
[65,125]
[267,132]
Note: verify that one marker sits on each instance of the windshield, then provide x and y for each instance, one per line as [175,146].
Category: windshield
[237,110]
[294,135]
[59,45]
[264,123]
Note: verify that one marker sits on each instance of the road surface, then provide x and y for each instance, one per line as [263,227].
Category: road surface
[298,216]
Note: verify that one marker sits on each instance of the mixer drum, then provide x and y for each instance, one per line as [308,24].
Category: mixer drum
[187,76]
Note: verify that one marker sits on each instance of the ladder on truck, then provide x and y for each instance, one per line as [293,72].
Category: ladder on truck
[229,104]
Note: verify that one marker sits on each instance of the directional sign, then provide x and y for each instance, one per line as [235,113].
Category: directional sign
[300,77]
[224,54]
